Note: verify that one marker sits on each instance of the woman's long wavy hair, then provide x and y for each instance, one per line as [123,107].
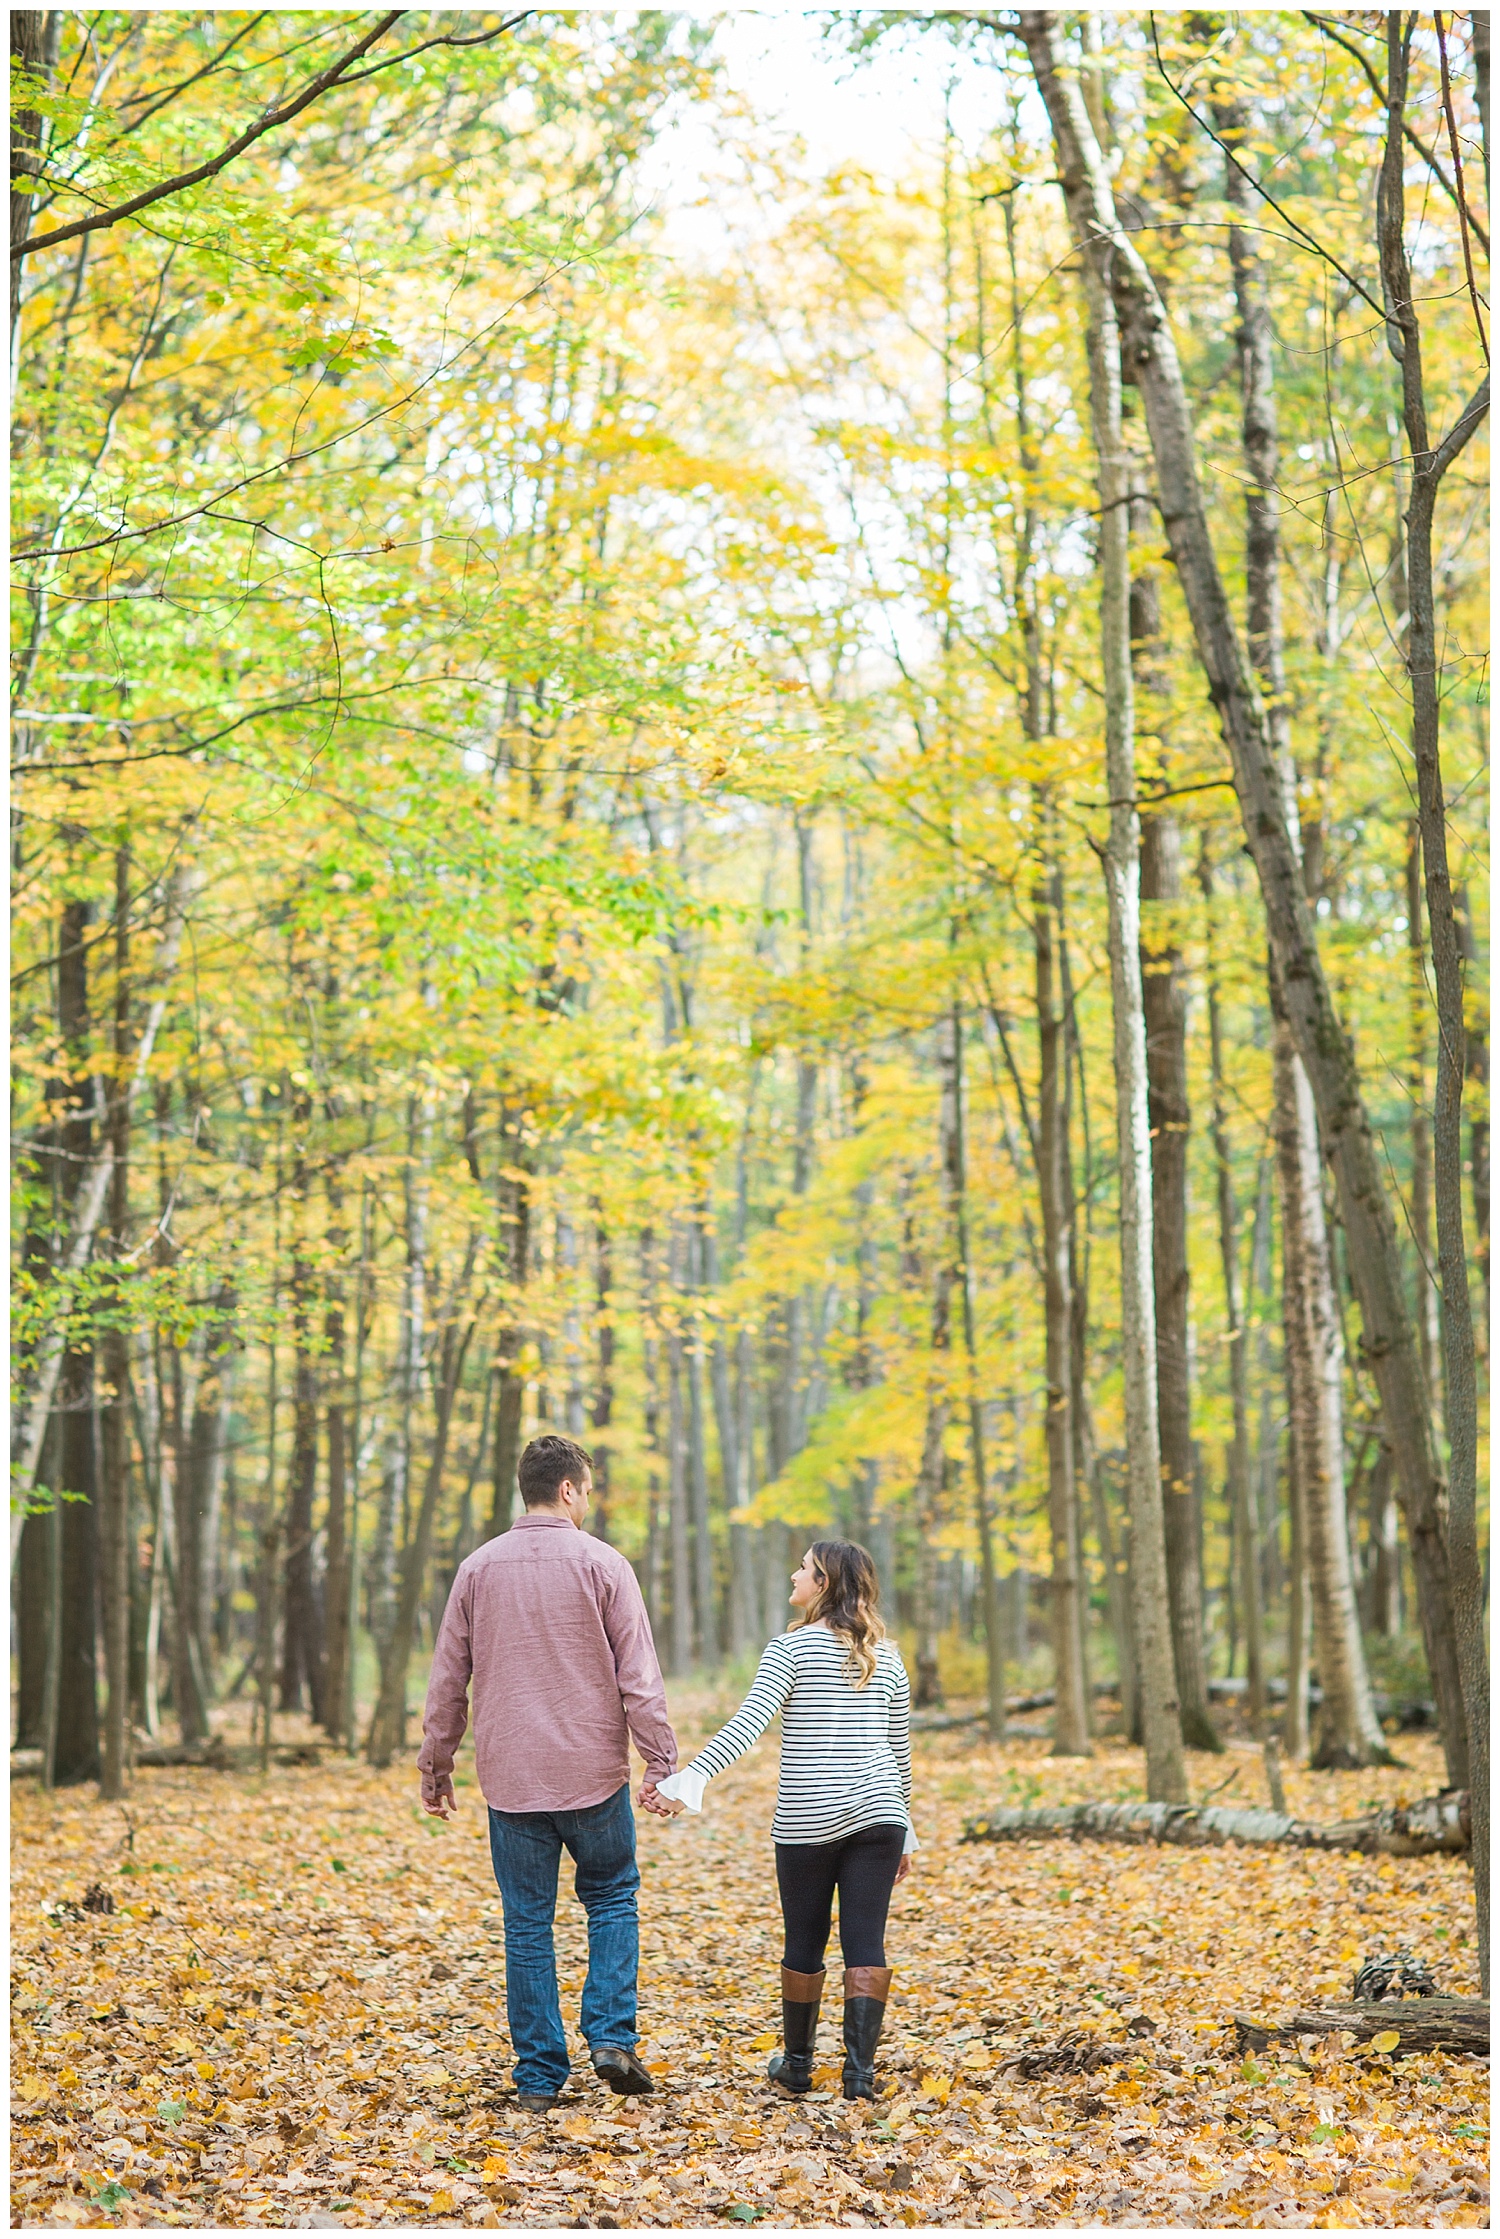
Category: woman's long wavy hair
[848,1603]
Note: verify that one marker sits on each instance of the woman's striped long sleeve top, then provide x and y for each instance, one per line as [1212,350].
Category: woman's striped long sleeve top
[845,1750]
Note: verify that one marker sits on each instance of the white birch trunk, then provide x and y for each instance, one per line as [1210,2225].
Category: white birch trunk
[1166,1778]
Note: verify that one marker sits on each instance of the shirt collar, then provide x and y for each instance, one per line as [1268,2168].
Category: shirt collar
[540,1520]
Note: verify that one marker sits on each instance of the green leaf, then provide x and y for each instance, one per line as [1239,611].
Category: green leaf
[171,2110]
[112,2196]
[741,2211]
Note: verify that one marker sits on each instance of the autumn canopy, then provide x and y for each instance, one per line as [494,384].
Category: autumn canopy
[764,739]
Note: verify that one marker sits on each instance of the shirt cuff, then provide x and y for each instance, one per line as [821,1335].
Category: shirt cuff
[910,1843]
[685,1787]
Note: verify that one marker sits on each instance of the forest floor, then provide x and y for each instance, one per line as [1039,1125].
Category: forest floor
[295,2016]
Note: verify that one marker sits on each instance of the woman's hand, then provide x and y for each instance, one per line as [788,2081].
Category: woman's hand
[904,1868]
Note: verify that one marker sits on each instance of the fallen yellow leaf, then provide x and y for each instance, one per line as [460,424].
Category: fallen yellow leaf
[1387,2041]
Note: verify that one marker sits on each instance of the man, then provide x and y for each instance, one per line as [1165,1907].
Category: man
[550,1624]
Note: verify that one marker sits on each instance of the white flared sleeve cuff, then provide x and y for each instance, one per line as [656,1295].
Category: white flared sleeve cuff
[685,1787]
[910,1843]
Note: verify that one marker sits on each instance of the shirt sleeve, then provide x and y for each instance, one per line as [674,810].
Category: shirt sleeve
[773,1683]
[642,1691]
[447,1711]
[899,1730]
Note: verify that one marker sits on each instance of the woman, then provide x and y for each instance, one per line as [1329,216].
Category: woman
[843,1807]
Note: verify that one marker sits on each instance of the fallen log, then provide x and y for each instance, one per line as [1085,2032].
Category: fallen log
[1437,1823]
[1419,2024]
[214,1754]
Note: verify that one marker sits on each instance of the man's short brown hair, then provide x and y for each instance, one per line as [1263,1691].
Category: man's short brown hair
[544,1465]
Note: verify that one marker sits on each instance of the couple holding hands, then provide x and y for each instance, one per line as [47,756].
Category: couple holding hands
[548,1626]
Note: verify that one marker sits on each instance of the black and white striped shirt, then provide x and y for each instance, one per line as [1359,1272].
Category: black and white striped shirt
[845,1750]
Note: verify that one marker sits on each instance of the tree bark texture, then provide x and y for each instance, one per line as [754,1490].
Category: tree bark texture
[1164,996]
[301,1643]
[34,34]
[337,1636]
[1388,1338]
[1244,1505]
[1429,464]
[705,1598]
[388,1725]
[1055,1188]
[1459,2025]
[678,1525]
[1348,1730]
[114,1511]
[1091,216]
[1429,1335]
[513,1204]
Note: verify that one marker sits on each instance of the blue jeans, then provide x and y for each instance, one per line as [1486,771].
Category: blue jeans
[527,1848]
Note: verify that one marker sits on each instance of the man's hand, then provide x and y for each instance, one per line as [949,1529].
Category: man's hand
[437,1795]
[650,1799]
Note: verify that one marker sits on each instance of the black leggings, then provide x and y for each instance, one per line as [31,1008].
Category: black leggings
[863,1869]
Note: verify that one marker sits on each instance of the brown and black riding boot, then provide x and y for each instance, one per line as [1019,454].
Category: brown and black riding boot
[866,1990]
[801,1996]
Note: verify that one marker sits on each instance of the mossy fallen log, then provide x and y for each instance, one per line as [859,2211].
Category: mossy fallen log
[1437,1823]
[1418,2024]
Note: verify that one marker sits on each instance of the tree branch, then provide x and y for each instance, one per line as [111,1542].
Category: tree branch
[1439,461]
[1251,181]
[185,179]
[1429,155]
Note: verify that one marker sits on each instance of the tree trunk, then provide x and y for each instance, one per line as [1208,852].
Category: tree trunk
[34,39]
[301,1644]
[1429,464]
[1164,997]
[1426,1291]
[1324,1046]
[927,1690]
[1383,1562]
[1070,1649]
[513,1193]
[1348,1730]
[705,1600]
[336,1609]
[1088,206]
[677,1484]
[114,1510]
[1478,1067]
[199,1471]
[1055,1188]
[1301,1395]
[388,1725]
[601,1412]
[70,1718]
[1244,1507]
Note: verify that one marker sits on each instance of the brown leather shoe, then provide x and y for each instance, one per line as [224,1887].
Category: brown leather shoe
[617,2066]
[801,1996]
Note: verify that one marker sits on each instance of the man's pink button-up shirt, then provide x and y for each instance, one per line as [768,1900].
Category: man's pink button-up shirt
[550,1624]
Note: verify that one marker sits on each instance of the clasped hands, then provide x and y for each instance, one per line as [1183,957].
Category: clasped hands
[650,1798]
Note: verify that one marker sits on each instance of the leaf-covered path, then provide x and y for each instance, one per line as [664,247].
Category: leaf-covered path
[296,2013]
